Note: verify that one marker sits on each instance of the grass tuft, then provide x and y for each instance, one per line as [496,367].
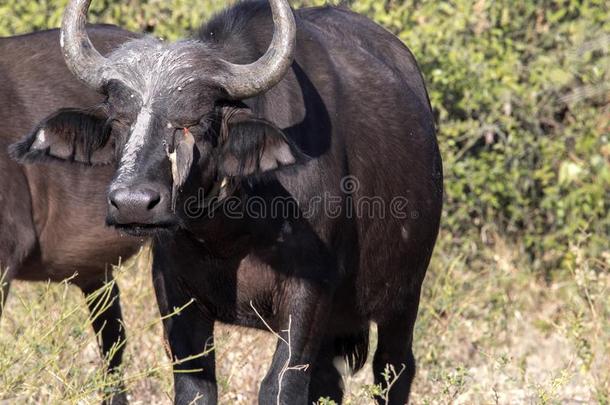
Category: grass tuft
[489,331]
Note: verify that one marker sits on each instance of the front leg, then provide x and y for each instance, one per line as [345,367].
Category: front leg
[5,286]
[302,319]
[107,321]
[188,334]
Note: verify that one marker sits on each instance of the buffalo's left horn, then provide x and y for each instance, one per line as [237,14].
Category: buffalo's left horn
[83,60]
[244,81]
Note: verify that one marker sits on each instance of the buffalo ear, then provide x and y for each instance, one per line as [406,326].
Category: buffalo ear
[252,146]
[67,135]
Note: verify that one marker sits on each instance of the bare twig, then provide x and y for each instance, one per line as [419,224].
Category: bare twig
[391,381]
[288,342]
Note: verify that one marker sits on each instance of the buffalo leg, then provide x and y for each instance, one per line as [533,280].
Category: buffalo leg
[301,324]
[190,337]
[8,267]
[326,380]
[107,324]
[394,353]
[349,352]
[17,235]
[5,285]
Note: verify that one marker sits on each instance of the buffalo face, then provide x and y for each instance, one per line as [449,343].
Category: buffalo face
[166,144]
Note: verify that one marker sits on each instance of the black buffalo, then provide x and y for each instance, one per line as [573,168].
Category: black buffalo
[319,113]
[52,216]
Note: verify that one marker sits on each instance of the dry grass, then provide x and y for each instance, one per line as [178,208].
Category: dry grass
[488,332]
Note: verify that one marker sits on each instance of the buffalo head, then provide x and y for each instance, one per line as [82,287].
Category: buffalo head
[173,111]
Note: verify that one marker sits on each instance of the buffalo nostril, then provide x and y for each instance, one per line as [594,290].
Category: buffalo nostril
[154,201]
[112,200]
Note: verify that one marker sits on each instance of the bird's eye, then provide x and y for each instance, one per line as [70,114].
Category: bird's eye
[198,129]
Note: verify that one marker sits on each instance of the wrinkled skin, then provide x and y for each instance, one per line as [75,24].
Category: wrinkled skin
[52,216]
[352,106]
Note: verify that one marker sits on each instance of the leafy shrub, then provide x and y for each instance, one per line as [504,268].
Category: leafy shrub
[166,19]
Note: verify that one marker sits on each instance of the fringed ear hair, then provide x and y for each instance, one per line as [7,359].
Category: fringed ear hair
[252,146]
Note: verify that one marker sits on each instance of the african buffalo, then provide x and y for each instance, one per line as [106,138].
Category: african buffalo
[52,216]
[317,111]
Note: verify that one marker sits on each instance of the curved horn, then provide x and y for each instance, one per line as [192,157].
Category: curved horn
[83,60]
[244,81]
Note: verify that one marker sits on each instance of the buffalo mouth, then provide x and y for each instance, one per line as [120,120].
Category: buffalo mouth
[144,230]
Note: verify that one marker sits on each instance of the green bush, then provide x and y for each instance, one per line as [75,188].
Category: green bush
[166,19]
[521,91]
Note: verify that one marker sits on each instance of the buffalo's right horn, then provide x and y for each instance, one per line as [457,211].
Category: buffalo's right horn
[83,60]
